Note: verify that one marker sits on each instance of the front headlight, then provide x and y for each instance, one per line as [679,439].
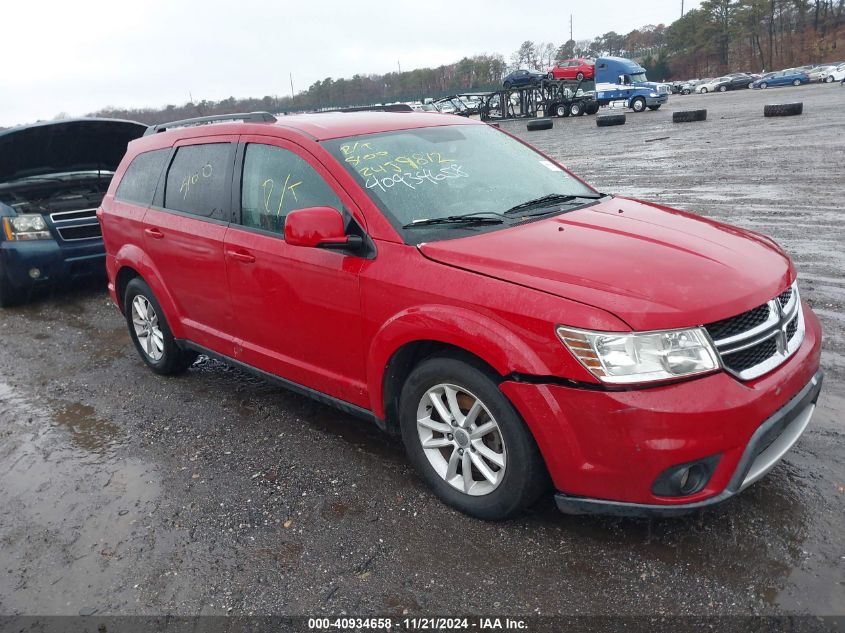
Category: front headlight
[27,226]
[635,357]
[653,94]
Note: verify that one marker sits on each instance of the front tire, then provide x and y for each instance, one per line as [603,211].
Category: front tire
[704,91]
[797,82]
[828,79]
[507,85]
[638,104]
[579,76]
[764,85]
[467,441]
[151,333]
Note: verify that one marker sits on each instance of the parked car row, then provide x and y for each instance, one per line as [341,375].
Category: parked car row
[790,76]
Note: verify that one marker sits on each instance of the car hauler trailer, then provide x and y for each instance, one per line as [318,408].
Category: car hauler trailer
[548,97]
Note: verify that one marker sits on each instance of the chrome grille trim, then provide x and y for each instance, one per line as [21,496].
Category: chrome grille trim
[785,326]
[72,216]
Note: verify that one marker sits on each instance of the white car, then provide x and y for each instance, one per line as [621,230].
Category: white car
[710,86]
[837,74]
[820,73]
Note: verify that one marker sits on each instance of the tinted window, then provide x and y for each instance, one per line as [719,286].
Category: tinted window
[139,182]
[197,180]
[276,182]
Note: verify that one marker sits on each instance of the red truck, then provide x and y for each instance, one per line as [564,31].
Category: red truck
[452,284]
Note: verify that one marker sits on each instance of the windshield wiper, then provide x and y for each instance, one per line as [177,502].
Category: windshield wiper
[551,198]
[483,217]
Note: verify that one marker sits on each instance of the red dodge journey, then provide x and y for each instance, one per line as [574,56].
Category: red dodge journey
[452,284]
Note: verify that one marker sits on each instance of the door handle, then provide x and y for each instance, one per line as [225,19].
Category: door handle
[154,233]
[241,256]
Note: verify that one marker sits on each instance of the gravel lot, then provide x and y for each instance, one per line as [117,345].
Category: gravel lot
[214,493]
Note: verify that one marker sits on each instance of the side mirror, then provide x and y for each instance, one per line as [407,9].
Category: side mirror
[319,227]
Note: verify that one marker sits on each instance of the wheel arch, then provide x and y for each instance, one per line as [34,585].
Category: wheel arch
[410,337]
[132,262]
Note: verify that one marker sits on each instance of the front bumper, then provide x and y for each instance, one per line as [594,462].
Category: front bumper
[767,446]
[659,100]
[55,262]
[604,449]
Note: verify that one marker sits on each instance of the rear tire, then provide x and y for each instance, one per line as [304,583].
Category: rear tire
[704,91]
[723,88]
[151,333]
[447,403]
[828,79]
[507,85]
[579,76]
[797,82]
[576,109]
[764,85]
[561,110]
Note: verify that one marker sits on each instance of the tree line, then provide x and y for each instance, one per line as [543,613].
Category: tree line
[718,37]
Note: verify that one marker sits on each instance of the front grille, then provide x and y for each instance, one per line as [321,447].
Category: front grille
[758,340]
[752,356]
[80,232]
[792,328]
[79,224]
[738,324]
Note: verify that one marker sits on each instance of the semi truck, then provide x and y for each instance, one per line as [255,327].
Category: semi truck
[620,79]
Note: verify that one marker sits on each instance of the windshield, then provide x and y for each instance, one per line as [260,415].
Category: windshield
[438,172]
[638,78]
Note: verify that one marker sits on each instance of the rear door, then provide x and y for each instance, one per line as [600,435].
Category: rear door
[184,234]
[298,309]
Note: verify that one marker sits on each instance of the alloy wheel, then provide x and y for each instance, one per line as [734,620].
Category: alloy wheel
[461,439]
[147,330]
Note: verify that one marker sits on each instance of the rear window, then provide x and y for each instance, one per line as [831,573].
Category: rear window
[198,180]
[139,182]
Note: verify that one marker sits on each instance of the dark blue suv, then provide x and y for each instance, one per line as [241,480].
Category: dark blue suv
[52,179]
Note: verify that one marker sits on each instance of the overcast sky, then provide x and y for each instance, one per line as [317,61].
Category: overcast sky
[75,56]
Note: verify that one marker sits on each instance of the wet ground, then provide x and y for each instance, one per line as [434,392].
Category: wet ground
[209,493]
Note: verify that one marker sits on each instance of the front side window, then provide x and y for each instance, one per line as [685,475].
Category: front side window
[275,182]
[197,180]
[428,173]
[139,182]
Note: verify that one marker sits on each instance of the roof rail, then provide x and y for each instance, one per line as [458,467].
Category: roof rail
[393,107]
[246,117]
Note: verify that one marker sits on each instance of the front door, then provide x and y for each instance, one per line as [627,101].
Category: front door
[298,309]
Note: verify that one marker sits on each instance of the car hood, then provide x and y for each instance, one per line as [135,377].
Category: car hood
[651,266]
[65,146]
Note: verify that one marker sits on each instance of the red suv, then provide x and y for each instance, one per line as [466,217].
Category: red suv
[573,69]
[447,281]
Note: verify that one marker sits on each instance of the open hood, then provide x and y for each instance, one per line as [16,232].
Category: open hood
[65,146]
[652,266]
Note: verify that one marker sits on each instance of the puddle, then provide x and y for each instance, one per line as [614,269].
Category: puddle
[86,430]
[68,519]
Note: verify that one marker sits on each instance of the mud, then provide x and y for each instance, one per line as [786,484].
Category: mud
[213,493]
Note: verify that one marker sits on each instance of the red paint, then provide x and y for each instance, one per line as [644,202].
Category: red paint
[563,69]
[332,321]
